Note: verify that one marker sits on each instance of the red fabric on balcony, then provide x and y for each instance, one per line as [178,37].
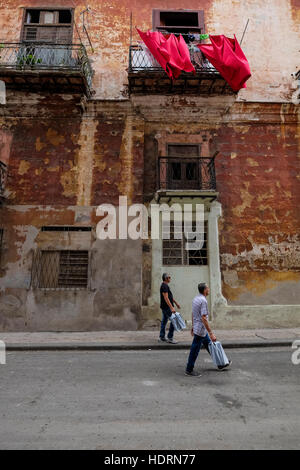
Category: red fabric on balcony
[171,53]
[227,57]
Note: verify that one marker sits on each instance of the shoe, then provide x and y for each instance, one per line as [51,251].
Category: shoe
[226,365]
[192,374]
[172,341]
[162,340]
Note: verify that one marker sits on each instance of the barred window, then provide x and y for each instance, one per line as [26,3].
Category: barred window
[60,269]
[174,249]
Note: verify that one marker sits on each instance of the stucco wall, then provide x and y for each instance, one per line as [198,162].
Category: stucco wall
[113,299]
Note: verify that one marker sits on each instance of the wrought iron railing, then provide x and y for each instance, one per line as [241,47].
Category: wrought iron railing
[141,59]
[3,176]
[182,173]
[46,56]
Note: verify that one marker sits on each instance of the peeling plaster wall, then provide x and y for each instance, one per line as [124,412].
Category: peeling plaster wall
[257,173]
[57,171]
[271,42]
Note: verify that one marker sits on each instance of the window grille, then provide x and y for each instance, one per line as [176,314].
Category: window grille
[174,249]
[60,269]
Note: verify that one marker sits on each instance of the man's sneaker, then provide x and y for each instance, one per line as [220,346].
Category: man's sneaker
[226,365]
[172,341]
[192,374]
[162,340]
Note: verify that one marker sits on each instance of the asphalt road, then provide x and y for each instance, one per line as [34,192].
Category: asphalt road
[142,400]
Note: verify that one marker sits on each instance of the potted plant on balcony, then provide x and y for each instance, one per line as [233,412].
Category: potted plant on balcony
[28,59]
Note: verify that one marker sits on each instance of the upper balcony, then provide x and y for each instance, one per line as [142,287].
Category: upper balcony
[146,76]
[179,176]
[3,177]
[61,68]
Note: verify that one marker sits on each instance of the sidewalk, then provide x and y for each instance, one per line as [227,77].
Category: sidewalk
[142,340]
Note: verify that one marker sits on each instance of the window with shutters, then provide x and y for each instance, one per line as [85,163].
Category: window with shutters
[174,248]
[183,166]
[50,26]
[178,21]
[60,269]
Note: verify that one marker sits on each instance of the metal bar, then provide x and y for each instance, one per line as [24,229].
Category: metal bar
[244,32]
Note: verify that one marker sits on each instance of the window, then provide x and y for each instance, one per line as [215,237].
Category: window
[183,21]
[174,249]
[183,171]
[60,269]
[53,26]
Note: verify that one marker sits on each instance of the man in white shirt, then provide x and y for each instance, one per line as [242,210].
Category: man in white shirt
[201,329]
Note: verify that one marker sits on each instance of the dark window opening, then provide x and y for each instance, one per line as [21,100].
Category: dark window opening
[65,16]
[176,18]
[32,16]
[191,171]
[178,21]
[176,171]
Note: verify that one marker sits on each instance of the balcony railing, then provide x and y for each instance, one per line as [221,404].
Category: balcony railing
[47,57]
[3,176]
[146,76]
[181,173]
[141,60]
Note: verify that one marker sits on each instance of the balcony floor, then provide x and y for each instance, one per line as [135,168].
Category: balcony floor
[201,84]
[59,81]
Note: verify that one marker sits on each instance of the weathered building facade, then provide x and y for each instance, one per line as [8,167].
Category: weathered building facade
[87,118]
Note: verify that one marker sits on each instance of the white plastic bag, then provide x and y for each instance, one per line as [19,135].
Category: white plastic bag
[218,354]
[177,321]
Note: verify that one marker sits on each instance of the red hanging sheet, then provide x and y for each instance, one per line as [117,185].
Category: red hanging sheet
[171,53]
[227,57]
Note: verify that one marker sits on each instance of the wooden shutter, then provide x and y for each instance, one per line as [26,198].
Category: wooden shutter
[46,34]
[201,21]
[155,19]
[30,33]
[63,35]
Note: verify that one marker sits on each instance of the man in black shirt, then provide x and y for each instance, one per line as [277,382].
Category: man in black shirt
[167,305]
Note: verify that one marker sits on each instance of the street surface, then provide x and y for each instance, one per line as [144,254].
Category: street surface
[142,400]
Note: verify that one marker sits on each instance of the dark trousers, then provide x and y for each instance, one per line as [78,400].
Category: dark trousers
[165,317]
[197,344]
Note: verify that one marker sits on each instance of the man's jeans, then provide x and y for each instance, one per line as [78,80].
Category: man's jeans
[166,314]
[198,342]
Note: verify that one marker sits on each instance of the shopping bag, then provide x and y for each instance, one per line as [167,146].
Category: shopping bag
[218,354]
[177,321]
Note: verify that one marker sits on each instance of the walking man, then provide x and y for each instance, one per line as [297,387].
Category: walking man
[201,329]
[167,306]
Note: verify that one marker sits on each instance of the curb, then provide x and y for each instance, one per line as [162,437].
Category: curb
[137,346]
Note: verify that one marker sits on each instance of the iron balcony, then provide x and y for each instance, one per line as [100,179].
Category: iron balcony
[60,67]
[146,76]
[182,173]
